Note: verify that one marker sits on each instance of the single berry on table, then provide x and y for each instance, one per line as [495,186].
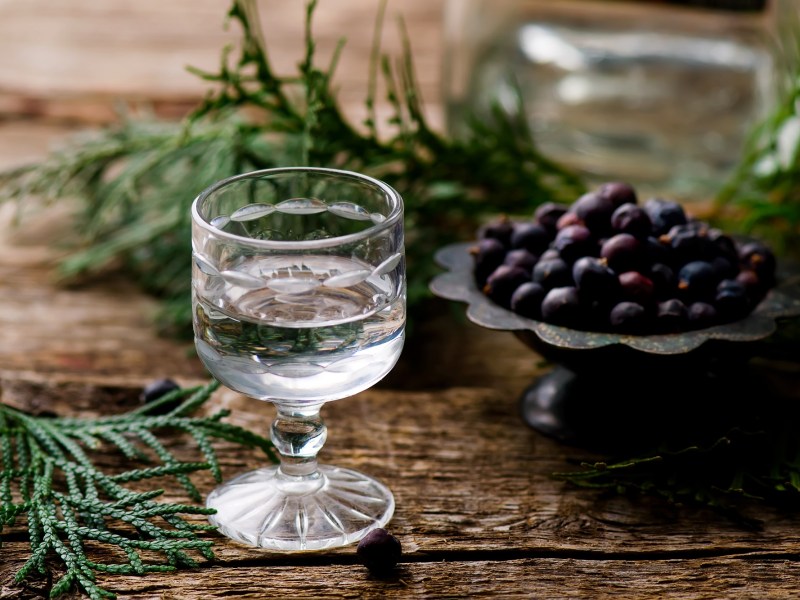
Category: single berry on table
[379,551]
[157,389]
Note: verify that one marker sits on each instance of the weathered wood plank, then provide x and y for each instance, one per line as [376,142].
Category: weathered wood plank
[78,60]
[477,510]
[435,576]
[469,476]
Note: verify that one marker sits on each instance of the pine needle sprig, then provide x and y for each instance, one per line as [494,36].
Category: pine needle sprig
[71,504]
[762,196]
[134,181]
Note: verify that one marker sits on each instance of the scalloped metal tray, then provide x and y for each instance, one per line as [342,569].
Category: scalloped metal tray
[458,284]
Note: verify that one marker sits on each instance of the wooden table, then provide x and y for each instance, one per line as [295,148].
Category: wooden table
[478,512]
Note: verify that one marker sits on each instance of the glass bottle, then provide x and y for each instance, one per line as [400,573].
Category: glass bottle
[659,93]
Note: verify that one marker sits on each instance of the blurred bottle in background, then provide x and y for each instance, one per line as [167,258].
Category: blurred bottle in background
[660,93]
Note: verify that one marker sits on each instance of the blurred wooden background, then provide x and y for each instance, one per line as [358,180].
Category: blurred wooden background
[67,64]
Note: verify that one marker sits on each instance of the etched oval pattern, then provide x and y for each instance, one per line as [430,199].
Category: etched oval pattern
[296,285]
[298,206]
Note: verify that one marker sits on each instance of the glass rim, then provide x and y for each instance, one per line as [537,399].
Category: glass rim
[395,214]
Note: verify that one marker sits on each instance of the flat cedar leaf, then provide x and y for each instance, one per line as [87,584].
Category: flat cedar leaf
[71,504]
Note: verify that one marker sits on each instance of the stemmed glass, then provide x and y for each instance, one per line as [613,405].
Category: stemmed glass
[298,291]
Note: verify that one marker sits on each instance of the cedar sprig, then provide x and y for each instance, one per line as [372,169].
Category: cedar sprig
[71,504]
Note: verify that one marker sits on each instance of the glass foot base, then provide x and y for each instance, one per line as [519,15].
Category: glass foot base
[260,508]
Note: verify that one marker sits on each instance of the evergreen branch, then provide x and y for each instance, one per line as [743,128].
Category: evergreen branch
[741,465]
[762,196]
[135,181]
[49,477]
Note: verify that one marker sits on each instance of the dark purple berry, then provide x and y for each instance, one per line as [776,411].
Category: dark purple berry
[752,284]
[664,280]
[530,236]
[723,268]
[156,390]
[632,219]
[657,252]
[550,254]
[487,255]
[701,314]
[618,192]
[567,219]
[723,245]
[689,242]
[499,229]
[527,299]
[697,280]
[594,279]
[731,299]
[552,273]
[520,258]
[756,257]
[595,212]
[664,214]
[671,316]
[574,241]
[628,317]
[623,252]
[379,551]
[636,287]
[562,306]
[500,285]
[548,214]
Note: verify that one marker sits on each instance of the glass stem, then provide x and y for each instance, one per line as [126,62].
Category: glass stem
[298,434]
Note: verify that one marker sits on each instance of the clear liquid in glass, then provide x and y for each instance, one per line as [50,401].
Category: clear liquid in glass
[300,337]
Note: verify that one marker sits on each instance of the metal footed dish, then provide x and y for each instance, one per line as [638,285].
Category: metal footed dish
[610,386]
[458,284]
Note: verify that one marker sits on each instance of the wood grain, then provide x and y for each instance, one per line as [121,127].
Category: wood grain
[478,512]
[509,575]
[80,61]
